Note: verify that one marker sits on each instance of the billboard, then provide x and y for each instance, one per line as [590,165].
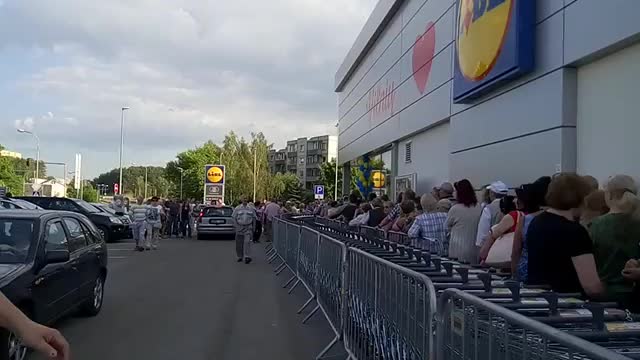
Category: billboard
[214,179]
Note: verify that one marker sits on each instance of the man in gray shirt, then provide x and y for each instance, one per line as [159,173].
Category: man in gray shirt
[244,219]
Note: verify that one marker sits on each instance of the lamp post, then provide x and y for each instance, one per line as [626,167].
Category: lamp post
[124,108]
[181,175]
[255,171]
[146,176]
[23,131]
[335,190]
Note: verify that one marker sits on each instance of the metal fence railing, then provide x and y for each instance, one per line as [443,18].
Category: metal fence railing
[470,328]
[390,310]
[308,263]
[378,292]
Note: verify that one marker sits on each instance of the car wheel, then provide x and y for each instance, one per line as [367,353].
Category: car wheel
[11,347]
[104,232]
[199,237]
[93,305]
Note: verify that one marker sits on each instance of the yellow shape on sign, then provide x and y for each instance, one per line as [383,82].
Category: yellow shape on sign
[378,179]
[482,30]
[215,175]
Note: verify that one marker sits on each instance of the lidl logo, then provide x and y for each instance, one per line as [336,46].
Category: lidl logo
[378,178]
[494,43]
[215,174]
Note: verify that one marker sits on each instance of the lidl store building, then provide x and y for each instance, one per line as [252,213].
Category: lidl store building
[441,90]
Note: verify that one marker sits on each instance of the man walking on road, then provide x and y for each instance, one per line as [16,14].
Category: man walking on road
[244,219]
[138,213]
[153,224]
[270,211]
[174,218]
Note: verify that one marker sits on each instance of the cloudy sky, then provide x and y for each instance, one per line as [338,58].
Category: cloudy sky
[190,70]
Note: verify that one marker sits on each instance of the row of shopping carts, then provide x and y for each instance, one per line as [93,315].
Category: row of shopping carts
[482,314]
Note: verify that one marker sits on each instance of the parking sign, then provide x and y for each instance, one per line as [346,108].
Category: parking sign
[318,191]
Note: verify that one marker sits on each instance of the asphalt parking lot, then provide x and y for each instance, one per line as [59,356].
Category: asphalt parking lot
[191,300]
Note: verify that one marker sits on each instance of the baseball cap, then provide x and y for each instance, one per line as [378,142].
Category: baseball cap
[446,187]
[498,187]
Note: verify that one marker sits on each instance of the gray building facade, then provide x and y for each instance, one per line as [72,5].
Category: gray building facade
[573,112]
[304,158]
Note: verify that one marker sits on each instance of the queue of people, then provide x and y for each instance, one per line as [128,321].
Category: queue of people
[565,231]
[154,219]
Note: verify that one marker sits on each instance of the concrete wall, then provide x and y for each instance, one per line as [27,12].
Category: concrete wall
[607,110]
[518,132]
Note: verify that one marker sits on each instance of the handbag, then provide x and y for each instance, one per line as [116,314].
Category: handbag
[500,252]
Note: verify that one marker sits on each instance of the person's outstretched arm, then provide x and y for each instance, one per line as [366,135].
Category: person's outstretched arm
[47,341]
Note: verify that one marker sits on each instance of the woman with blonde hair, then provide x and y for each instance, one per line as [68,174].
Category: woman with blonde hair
[615,237]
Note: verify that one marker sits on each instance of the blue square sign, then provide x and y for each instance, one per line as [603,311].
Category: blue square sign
[318,191]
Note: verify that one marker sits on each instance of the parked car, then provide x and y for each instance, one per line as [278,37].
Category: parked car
[215,221]
[126,220]
[110,227]
[52,263]
[11,203]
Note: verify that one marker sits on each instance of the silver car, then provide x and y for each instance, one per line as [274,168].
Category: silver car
[214,220]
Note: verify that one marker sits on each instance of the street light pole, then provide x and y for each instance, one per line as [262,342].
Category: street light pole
[335,190]
[146,175]
[255,171]
[121,145]
[23,131]
[181,174]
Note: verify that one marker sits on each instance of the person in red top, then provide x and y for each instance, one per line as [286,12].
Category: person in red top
[507,225]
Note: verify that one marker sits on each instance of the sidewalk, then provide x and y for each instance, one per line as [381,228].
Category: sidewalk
[264,322]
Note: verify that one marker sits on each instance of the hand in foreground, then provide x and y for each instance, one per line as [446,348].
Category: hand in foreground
[631,270]
[44,340]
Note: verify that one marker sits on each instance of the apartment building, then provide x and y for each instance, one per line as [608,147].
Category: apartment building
[304,157]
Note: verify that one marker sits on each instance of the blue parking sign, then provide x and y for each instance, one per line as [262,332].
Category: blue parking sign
[318,191]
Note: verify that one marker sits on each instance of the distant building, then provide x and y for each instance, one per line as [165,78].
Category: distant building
[11,154]
[304,157]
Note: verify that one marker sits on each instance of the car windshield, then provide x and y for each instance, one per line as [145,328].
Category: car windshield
[223,211]
[25,204]
[86,206]
[16,236]
[105,208]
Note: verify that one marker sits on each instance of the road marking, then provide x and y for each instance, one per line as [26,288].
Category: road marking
[118,257]
[122,249]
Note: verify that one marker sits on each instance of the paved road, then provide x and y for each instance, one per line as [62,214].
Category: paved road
[192,300]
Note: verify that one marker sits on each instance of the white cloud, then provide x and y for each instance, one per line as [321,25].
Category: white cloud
[190,70]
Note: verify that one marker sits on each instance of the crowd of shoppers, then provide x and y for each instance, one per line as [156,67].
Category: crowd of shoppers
[564,231]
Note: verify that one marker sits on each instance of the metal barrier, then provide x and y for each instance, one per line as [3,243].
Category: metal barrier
[469,328]
[389,312]
[307,263]
[292,236]
[330,285]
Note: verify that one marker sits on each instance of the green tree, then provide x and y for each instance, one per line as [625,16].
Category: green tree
[89,192]
[328,178]
[8,178]
[133,181]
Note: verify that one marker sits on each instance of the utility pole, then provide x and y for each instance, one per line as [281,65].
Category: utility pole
[255,171]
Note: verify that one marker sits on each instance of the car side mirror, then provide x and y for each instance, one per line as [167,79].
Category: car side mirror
[56,256]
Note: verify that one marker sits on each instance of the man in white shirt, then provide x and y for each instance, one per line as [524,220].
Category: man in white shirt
[491,214]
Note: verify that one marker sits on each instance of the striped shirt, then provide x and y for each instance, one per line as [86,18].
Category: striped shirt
[138,213]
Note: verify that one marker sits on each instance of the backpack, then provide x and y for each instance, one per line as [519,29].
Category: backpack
[153,215]
[245,216]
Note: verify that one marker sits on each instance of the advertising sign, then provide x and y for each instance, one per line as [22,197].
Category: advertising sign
[214,179]
[495,42]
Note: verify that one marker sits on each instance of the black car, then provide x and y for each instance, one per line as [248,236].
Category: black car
[126,220]
[110,227]
[52,263]
[11,203]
